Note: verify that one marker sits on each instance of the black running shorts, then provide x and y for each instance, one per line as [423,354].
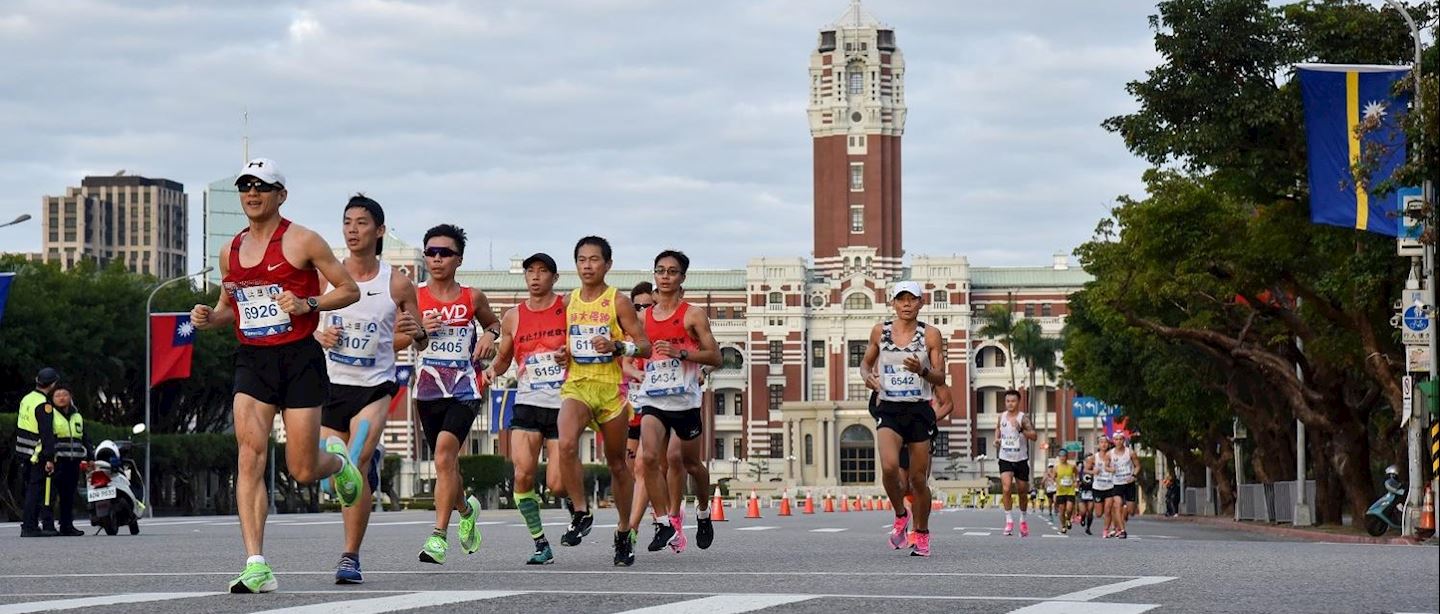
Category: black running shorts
[1126,492]
[289,376]
[1020,469]
[347,401]
[684,423]
[543,420]
[913,421]
[449,415]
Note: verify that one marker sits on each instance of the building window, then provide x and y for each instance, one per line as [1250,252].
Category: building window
[857,455]
[739,446]
[857,176]
[720,404]
[979,446]
[817,354]
[776,300]
[856,391]
[857,218]
[777,352]
[809,449]
[857,300]
[739,401]
[855,353]
[777,396]
[720,448]
[857,81]
[777,445]
[1045,310]
[940,445]
[942,298]
[817,391]
[1029,311]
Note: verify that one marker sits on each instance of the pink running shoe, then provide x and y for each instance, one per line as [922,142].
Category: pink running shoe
[1024,529]
[898,539]
[678,542]
[922,544]
[1009,527]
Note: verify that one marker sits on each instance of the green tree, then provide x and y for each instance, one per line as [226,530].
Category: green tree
[1000,324]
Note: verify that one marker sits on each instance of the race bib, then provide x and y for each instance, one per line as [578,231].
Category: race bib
[1067,482]
[450,347]
[1087,496]
[1010,443]
[582,350]
[897,381]
[358,344]
[260,315]
[542,372]
[664,377]
[1122,474]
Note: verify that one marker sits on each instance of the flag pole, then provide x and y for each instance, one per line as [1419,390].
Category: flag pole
[150,509]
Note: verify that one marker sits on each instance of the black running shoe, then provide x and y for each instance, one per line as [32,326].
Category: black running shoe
[580,523]
[624,552]
[663,534]
[704,532]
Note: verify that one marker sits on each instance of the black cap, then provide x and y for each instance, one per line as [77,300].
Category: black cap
[542,258]
[47,376]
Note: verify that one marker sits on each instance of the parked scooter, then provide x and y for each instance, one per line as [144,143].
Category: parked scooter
[111,498]
[1387,511]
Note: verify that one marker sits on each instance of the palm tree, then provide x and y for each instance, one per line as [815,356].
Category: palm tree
[1039,352]
[1000,323]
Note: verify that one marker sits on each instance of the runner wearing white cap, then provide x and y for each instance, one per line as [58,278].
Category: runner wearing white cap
[903,363]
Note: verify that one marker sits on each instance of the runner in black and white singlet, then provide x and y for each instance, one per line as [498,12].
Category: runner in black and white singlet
[1013,434]
[903,363]
[1123,465]
[1103,485]
[360,342]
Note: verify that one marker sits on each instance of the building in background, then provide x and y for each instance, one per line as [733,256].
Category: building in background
[221,220]
[139,221]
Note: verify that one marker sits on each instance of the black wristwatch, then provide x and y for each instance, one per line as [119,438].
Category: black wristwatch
[494,331]
[684,354]
[313,303]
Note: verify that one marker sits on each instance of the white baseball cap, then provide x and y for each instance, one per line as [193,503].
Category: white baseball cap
[913,287]
[263,169]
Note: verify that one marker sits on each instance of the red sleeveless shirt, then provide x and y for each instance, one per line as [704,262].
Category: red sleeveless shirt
[258,319]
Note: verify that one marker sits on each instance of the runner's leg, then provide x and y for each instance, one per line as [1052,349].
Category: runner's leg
[357,517]
[574,416]
[253,421]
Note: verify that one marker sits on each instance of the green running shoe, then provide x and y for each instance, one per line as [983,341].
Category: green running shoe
[542,556]
[257,578]
[434,550]
[347,482]
[634,537]
[469,535]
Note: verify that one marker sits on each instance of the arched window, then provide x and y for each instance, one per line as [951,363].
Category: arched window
[857,300]
[857,455]
[731,358]
[809,449]
[990,356]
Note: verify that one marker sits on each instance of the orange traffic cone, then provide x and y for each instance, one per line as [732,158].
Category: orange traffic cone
[844,503]
[752,509]
[809,503]
[785,503]
[1427,513]
[717,509]
[885,504]
[829,504]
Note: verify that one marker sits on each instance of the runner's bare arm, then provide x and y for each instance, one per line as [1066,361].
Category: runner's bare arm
[944,403]
[699,325]
[872,354]
[933,341]
[506,345]
[486,321]
[205,317]
[631,369]
[1028,428]
[407,317]
[630,325]
[316,253]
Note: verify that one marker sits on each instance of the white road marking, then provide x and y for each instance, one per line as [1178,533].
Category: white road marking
[1071,607]
[393,603]
[161,523]
[1110,589]
[1054,535]
[721,604]
[756,528]
[977,533]
[828,530]
[307,524]
[393,524]
[627,572]
[88,602]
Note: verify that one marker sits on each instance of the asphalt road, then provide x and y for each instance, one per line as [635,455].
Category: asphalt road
[825,563]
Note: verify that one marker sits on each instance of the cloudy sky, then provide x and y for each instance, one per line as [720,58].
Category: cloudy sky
[657,123]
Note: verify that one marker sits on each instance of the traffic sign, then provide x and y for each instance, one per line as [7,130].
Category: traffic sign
[1416,319]
[1075,446]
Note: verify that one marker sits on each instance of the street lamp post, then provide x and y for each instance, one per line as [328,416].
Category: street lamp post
[150,509]
[23,217]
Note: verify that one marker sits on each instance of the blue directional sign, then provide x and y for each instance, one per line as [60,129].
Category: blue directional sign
[1416,321]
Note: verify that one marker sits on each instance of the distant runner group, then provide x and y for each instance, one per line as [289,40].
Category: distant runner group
[628,367]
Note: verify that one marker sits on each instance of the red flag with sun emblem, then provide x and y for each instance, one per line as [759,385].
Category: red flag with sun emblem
[172,344]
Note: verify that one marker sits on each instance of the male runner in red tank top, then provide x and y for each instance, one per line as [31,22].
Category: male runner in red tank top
[272,295]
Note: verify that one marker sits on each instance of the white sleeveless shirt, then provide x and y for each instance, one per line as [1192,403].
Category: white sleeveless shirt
[1013,446]
[365,354]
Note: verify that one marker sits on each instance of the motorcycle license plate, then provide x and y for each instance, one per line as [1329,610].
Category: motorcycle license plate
[100,494]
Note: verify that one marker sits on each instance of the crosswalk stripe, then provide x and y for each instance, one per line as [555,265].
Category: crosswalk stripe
[978,533]
[394,603]
[721,604]
[394,524]
[827,530]
[1050,535]
[756,528]
[1072,607]
[87,602]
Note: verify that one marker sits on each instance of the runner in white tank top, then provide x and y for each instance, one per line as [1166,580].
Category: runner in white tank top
[1013,434]
[1104,484]
[360,343]
[1123,465]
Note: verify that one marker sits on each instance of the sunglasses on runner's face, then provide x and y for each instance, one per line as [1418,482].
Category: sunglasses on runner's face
[641,306]
[257,185]
[440,252]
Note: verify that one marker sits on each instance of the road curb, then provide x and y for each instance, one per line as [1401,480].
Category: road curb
[1292,532]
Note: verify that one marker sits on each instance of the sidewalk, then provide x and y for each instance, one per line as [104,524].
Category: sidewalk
[1310,534]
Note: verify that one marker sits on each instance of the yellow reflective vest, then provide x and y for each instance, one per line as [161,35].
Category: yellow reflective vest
[70,435]
[32,430]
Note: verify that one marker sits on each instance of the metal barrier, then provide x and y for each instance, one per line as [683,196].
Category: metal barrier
[1253,502]
[1283,499]
[1196,502]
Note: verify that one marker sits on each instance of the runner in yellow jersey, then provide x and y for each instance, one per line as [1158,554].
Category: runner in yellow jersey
[598,320]
[1066,480]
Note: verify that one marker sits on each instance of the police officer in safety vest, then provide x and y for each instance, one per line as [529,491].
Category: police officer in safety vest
[35,445]
[70,450]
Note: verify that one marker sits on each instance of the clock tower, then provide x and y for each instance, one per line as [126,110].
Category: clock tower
[857,115]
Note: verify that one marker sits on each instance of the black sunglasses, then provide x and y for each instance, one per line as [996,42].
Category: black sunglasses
[641,306]
[257,185]
[440,252]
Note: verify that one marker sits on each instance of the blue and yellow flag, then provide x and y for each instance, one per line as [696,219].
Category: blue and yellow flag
[1339,99]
